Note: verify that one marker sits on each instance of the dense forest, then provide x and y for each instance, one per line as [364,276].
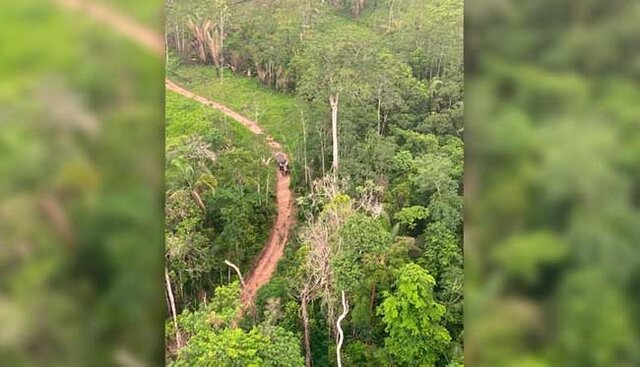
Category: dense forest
[552,195]
[365,97]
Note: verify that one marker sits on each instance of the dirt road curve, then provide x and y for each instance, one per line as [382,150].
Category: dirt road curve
[274,249]
[153,41]
[251,125]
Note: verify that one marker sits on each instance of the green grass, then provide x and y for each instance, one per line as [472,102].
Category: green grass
[278,114]
[185,117]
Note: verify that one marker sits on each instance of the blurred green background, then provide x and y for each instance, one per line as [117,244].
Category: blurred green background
[81,189]
[552,183]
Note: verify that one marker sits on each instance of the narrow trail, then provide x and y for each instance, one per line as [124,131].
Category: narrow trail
[274,249]
[267,262]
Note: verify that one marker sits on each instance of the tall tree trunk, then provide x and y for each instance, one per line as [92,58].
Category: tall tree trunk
[358,7]
[379,107]
[372,302]
[221,46]
[172,302]
[322,152]
[183,41]
[305,326]
[307,175]
[345,310]
[391,18]
[333,100]
[266,195]
[304,19]
[385,117]
[166,48]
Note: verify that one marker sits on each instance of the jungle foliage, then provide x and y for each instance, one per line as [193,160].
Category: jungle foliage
[367,98]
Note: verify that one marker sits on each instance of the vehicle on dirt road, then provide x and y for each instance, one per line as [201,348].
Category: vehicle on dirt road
[283,163]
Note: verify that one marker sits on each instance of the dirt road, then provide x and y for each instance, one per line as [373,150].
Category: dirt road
[274,249]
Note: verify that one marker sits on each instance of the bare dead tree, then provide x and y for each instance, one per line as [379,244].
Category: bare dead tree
[370,199]
[321,137]
[345,310]
[317,267]
[307,174]
[309,288]
[316,277]
[315,280]
[304,301]
[317,235]
[172,302]
[333,101]
[222,18]
[234,267]
[391,21]
[358,7]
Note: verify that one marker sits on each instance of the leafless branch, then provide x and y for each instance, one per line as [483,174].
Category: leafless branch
[232,265]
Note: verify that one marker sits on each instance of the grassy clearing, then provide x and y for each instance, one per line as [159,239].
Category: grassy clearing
[185,117]
[278,114]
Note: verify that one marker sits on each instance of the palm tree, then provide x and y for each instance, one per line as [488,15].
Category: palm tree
[181,176]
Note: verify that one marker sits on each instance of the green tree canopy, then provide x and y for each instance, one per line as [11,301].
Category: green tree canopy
[412,318]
